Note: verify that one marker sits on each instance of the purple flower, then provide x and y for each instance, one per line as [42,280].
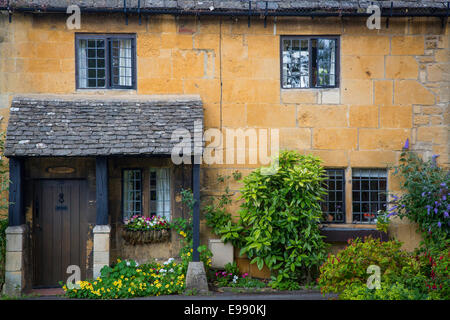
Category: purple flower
[403,205]
[391,214]
[435,210]
[444,197]
[428,210]
[439,224]
[423,194]
[406,146]
[393,208]
[446,214]
[443,184]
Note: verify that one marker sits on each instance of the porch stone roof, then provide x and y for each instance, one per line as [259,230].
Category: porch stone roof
[228,5]
[83,125]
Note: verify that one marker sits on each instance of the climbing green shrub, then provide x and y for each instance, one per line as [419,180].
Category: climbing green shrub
[280,217]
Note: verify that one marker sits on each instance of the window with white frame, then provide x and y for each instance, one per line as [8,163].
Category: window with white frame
[132,193]
[160,200]
[105,61]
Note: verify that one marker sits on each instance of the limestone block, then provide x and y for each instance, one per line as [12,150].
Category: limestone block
[331,96]
[412,92]
[298,96]
[13,283]
[401,67]
[408,45]
[14,261]
[384,139]
[15,238]
[406,232]
[322,116]
[101,248]
[196,277]
[222,253]
[396,116]
[364,116]
[335,138]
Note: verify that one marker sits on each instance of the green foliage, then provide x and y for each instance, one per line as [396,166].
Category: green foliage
[4,186]
[382,221]
[425,199]
[349,266]
[126,279]
[232,277]
[390,291]
[184,225]
[403,275]
[280,218]
[3,226]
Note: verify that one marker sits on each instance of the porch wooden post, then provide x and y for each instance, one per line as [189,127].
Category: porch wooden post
[196,211]
[101,173]
[15,212]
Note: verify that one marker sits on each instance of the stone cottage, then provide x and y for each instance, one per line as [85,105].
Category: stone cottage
[91,95]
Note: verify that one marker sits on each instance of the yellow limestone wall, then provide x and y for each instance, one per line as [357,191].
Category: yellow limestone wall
[394,82]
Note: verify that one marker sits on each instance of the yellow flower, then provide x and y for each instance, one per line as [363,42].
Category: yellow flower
[118,260]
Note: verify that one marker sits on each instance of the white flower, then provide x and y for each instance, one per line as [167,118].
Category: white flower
[162,270]
[171,270]
[128,263]
[235,279]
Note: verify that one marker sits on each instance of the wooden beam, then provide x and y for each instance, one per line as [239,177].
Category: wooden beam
[16,211]
[101,173]
[196,212]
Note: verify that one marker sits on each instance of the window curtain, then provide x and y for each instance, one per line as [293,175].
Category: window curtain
[82,60]
[163,193]
[125,67]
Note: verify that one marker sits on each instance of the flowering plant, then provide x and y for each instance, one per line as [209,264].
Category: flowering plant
[140,223]
[425,195]
[128,279]
[231,277]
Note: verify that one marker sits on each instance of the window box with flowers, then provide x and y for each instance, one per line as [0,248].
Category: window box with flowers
[142,230]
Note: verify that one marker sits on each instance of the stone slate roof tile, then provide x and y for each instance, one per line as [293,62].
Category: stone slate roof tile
[68,125]
[228,5]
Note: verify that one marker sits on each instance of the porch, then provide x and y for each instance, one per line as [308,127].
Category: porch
[68,157]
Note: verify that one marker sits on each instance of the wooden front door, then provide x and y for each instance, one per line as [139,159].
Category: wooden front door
[60,230]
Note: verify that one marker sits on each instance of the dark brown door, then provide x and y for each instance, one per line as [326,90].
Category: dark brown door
[60,230]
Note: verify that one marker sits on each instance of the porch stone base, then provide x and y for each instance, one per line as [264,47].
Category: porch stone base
[101,248]
[196,277]
[15,260]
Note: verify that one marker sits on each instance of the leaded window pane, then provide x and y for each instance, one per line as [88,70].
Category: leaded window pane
[369,194]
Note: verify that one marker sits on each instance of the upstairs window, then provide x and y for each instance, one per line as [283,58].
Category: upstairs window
[369,187]
[106,61]
[333,206]
[309,62]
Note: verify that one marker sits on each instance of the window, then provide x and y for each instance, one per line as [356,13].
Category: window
[333,206]
[369,194]
[309,62]
[132,193]
[106,61]
[160,192]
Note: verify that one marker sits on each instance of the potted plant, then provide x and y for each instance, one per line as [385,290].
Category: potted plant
[141,230]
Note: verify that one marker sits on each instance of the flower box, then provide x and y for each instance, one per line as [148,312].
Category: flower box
[134,237]
[141,230]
